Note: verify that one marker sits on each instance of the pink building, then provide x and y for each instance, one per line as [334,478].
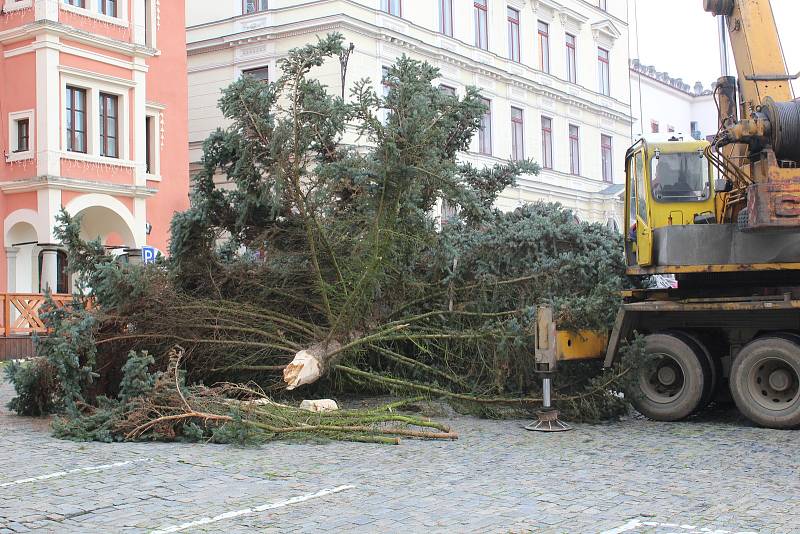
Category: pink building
[93,118]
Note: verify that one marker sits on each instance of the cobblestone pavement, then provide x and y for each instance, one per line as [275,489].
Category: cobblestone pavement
[716,475]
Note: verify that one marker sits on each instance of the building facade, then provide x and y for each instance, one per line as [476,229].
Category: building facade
[554,75]
[93,119]
[663,106]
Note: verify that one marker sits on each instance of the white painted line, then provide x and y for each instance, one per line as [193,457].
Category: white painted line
[635,523]
[630,525]
[59,474]
[248,511]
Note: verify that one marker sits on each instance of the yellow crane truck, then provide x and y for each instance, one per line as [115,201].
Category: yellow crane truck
[724,219]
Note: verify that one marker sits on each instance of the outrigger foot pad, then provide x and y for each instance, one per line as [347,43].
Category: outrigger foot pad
[547,421]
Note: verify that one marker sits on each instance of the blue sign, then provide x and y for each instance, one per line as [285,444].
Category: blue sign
[149,255]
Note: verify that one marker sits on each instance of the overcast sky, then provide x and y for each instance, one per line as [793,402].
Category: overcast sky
[679,37]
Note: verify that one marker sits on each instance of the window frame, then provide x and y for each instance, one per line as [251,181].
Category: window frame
[481,9]
[259,6]
[607,158]
[103,6]
[604,67]
[574,150]
[76,3]
[572,57]
[71,112]
[105,118]
[543,40]
[517,134]
[153,114]
[446,22]
[547,142]
[514,48]
[485,129]
[388,7]
[14,118]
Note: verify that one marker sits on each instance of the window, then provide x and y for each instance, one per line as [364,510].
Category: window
[641,201]
[149,149]
[259,73]
[603,4]
[446,89]
[517,131]
[109,132]
[572,74]
[392,7]
[544,46]
[481,28]
[653,126]
[513,34]
[574,150]
[602,69]
[446,17]
[680,177]
[108,7]
[62,273]
[76,119]
[485,131]
[547,142]
[694,127]
[254,6]
[448,212]
[606,157]
[76,3]
[23,135]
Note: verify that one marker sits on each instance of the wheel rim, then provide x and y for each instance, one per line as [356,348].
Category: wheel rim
[774,384]
[662,379]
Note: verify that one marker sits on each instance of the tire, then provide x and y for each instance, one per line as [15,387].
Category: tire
[765,381]
[712,371]
[674,380]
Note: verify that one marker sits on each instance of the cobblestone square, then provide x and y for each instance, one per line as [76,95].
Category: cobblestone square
[717,474]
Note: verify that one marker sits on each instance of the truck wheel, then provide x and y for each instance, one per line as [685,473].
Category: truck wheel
[672,381]
[765,381]
[711,371]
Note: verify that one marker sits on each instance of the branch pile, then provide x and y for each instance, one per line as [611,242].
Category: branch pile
[307,262]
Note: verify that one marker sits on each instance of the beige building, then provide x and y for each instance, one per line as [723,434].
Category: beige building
[554,73]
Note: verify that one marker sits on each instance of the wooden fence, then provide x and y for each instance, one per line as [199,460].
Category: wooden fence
[21,312]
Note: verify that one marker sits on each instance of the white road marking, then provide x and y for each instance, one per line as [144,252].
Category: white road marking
[59,474]
[630,525]
[248,511]
[635,523]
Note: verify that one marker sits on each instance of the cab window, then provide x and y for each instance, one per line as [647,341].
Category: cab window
[639,167]
[680,177]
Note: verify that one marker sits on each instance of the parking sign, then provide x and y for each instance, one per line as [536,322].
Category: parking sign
[148,255]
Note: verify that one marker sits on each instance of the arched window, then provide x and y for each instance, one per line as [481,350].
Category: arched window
[62,285]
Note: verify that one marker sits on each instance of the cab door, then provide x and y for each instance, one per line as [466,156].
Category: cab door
[644,234]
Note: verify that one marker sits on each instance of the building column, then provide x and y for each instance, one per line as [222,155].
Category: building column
[49,268]
[11,269]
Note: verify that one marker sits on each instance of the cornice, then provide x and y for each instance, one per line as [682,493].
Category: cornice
[71,184]
[39,27]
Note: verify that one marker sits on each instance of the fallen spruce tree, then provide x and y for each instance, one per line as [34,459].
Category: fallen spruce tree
[305,262]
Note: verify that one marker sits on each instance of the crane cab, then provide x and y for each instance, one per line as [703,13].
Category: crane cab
[667,184]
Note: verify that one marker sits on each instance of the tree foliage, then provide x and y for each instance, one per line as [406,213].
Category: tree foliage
[300,242]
